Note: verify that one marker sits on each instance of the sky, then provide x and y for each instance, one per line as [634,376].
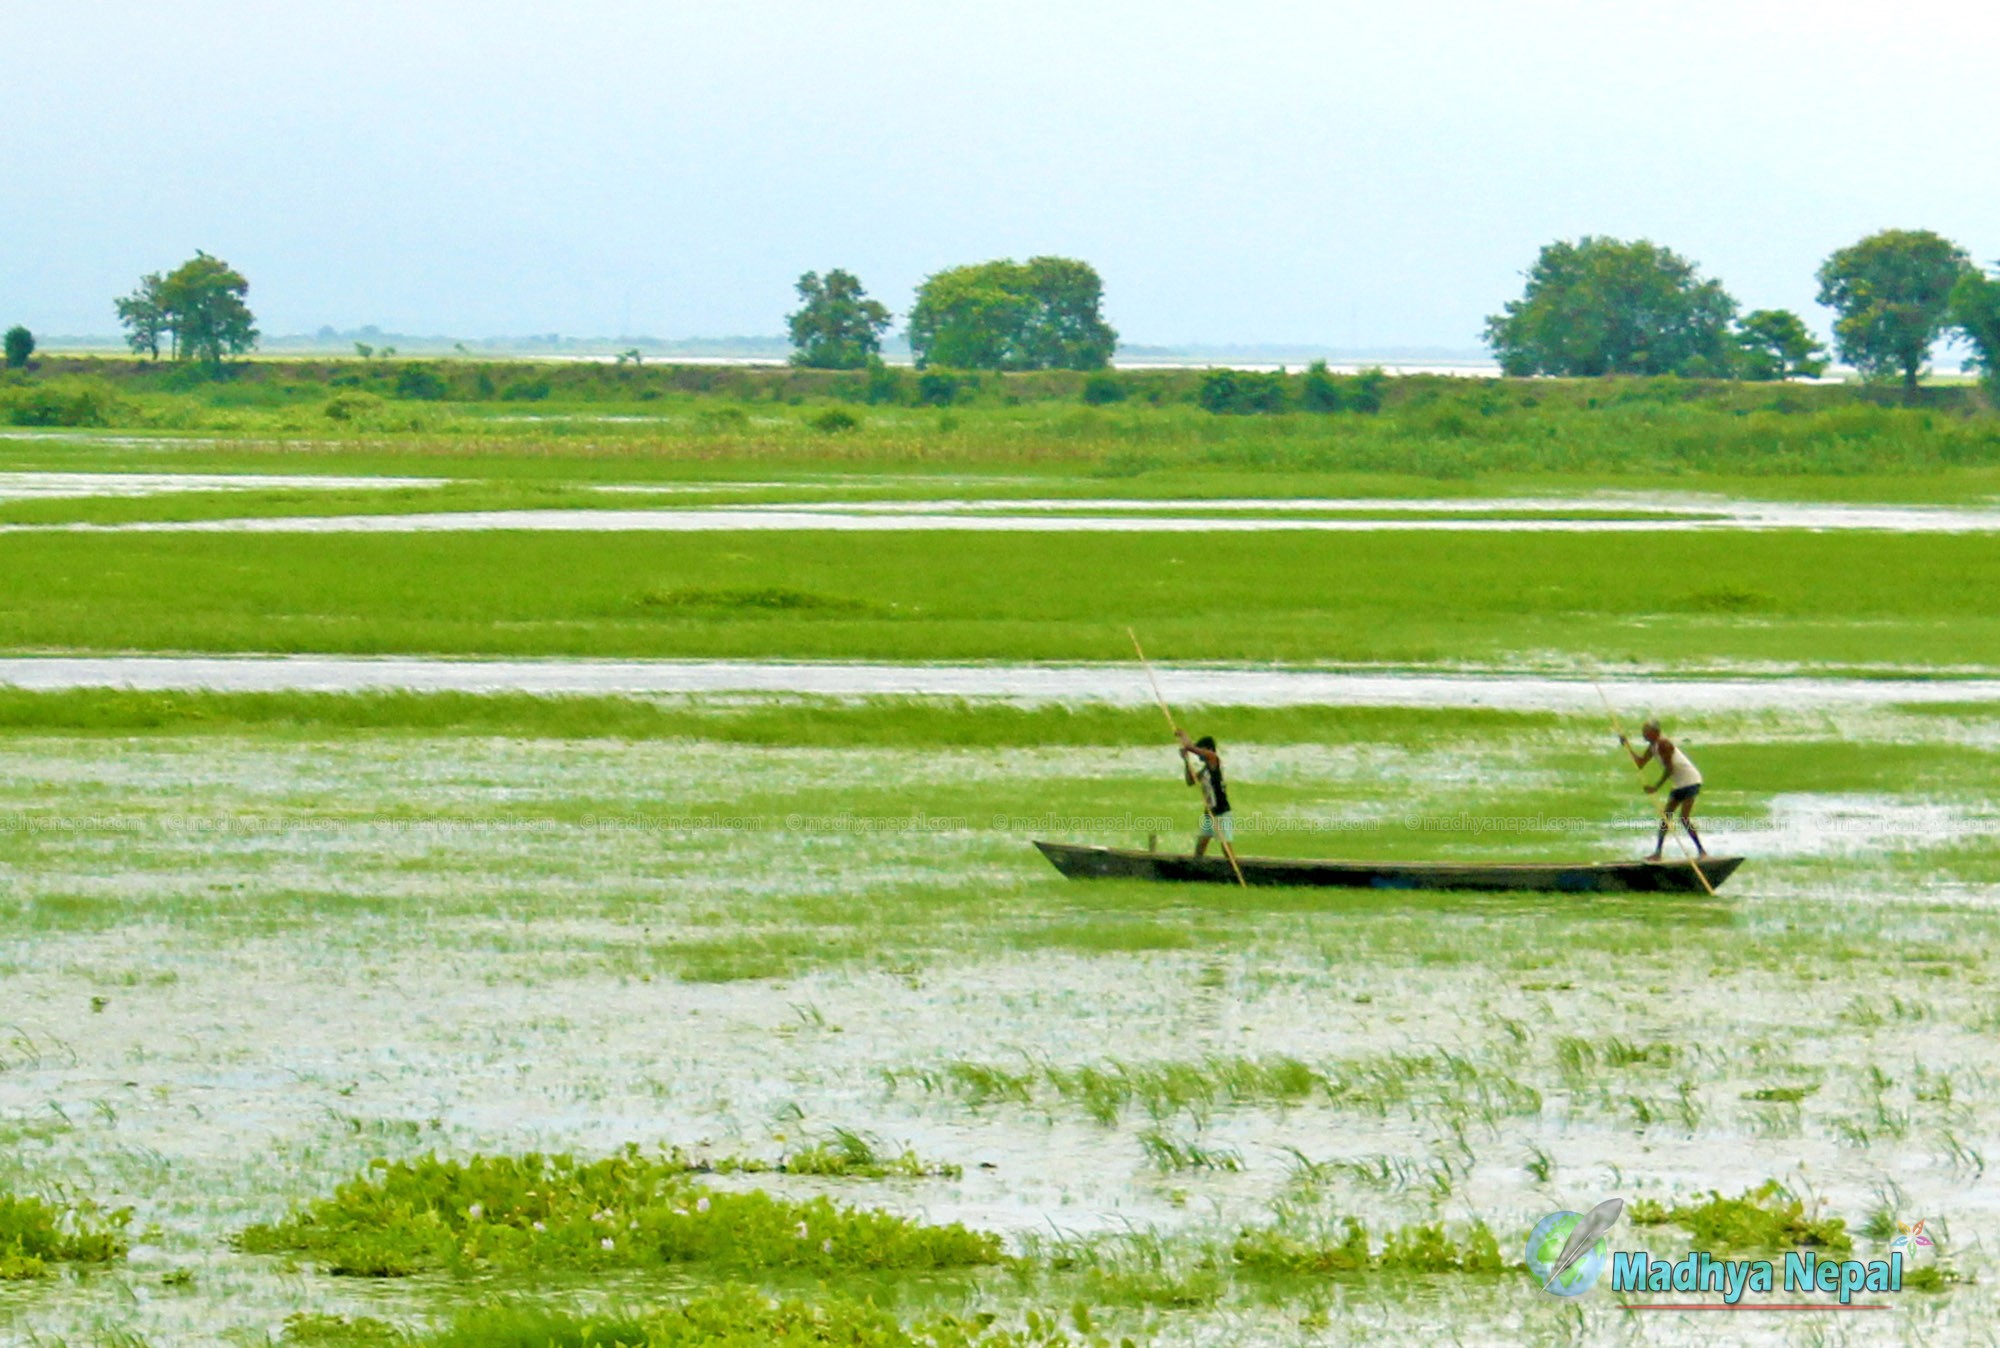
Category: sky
[1360,176]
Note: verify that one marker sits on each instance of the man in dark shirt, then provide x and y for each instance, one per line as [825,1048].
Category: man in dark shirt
[1202,766]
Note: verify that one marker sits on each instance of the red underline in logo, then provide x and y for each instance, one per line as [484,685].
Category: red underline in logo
[1757,1307]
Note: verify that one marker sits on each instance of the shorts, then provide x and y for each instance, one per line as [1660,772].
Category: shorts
[1212,824]
[1681,793]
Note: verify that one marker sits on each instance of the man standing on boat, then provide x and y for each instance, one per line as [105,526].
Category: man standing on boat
[1202,766]
[1675,767]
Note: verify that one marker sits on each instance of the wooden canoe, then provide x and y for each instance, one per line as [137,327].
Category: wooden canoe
[1080,862]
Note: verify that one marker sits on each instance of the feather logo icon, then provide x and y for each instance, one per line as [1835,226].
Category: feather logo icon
[1567,1250]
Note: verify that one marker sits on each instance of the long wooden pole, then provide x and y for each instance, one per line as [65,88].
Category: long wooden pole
[1666,819]
[1174,726]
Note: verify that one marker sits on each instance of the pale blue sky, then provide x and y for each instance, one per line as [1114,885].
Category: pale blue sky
[1329,173]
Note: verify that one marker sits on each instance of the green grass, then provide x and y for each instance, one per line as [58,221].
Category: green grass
[37,1236]
[1767,1217]
[742,1317]
[626,1211]
[1284,597]
[805,722]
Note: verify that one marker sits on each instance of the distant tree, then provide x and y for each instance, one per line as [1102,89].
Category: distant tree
[1242,392]
[1042,314]
[200,304]
[420,382]
[144,316]
[1775,344]
[202,300]
[20,344]
[1605,306]
[1892,292]
[1319,391]
[1975,311]
[837,326]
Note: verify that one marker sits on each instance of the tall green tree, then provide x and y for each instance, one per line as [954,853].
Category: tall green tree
[19,345]
[1975,311]
[203,300]
[1776,344]
[1605,306]
[144,316]
[1042,314]
[1892,292]
[837,326]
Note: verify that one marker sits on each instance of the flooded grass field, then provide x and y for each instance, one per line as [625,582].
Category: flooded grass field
[560,929]
[244,962]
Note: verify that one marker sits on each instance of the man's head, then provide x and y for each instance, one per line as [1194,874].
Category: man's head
[1651,730]
[1206,742]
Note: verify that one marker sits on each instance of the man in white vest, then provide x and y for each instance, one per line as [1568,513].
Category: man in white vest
[1675,767]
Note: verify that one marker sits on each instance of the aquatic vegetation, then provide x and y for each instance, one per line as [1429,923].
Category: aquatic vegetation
[339,1331]
[742,1317]
[1373,1084]
[36,1235]
[847,1154]
[1767,1217]
[624,1211]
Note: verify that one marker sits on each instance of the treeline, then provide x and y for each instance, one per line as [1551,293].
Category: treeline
[82,390]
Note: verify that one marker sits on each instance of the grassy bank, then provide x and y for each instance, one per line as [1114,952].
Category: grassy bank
[1681,598]
[1451,430]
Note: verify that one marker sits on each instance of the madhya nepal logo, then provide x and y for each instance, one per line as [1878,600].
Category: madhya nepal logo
[1570,1252]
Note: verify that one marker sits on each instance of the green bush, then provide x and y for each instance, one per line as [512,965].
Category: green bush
[69,402]
[1102,388]
[1242,392]
[835,421]
[356,406]
[420,382]
[526,390]
[1319,391]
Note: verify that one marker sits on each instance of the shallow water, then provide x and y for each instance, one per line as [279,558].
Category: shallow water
[311,953]
[1083,515]
[52,486]
[841,519]
[1118,685]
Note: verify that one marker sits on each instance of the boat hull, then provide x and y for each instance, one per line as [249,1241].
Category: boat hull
[1080,862]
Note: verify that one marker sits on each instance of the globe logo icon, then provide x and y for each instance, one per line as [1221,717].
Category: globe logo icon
[1545,1248]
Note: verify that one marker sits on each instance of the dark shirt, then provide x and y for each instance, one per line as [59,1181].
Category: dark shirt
[1208,774]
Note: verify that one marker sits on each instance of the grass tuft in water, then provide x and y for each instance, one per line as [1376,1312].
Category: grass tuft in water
[1768,1217]
[626,1211]
[742,1317]
[36,1235]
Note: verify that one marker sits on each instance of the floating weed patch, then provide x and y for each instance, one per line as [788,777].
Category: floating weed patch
[741,1317]
[626,1211]
[1419,1248]
[1768,1217]
[1142,1268]
[339,1331]
[36,1235]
